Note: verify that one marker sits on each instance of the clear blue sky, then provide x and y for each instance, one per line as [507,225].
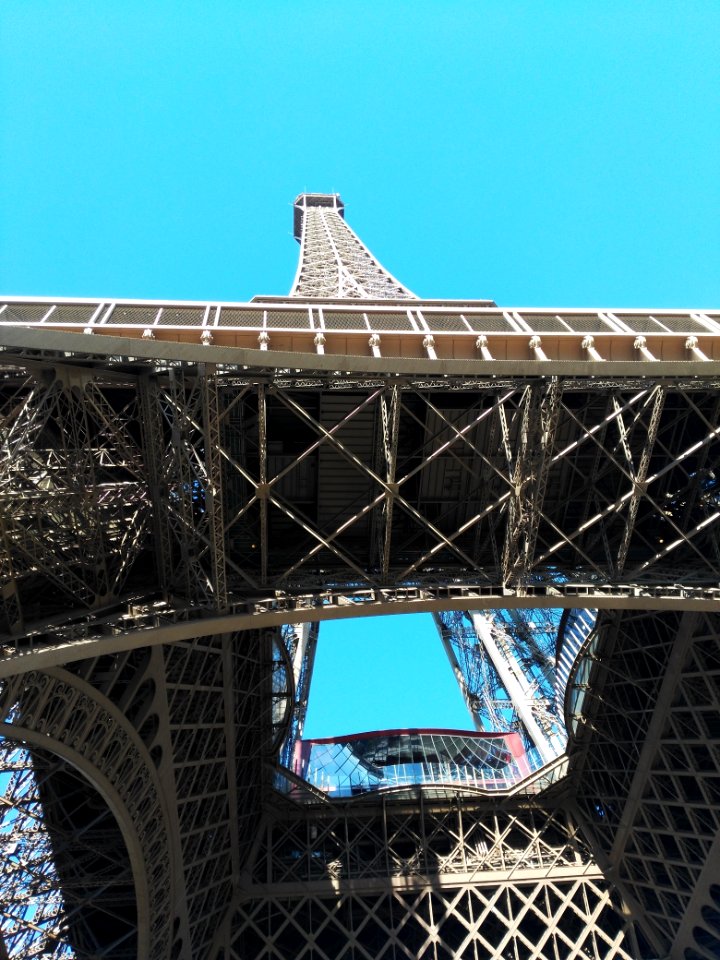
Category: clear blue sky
[556,153]
[540,153]
[382,673]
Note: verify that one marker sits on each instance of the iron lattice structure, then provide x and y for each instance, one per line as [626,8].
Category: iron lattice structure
[505,665]
[186,488]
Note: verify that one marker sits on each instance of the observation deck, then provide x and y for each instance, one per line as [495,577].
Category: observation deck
[306,200]
[383,760]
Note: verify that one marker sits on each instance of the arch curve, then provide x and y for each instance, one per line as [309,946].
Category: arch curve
[57,715]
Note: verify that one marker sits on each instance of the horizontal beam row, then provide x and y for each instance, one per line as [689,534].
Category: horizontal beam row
[477,316]
[153,624]
[407,355]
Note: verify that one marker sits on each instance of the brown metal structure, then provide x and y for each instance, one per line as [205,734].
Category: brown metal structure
[180,480]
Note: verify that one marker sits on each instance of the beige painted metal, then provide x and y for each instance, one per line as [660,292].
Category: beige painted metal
[695,349]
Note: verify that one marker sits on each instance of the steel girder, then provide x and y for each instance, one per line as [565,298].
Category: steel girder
[251,485]
[404,336]
[300,642]
[497,872]
[89,821]
[135,624]
[60,854]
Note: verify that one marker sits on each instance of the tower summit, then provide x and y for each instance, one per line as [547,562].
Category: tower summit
[333,262]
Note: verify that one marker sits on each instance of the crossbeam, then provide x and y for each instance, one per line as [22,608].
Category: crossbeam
[150,625]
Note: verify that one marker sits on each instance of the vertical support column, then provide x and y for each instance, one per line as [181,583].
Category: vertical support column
[83,513]
[549,413]
[640,477]
[390,411]
[302,635]
[123,507]
[230,708]
[11,617]
[184,487]
[157,668]
[514,681]
[513,459]
[154,456]
[468,696]
[301,643]
[262,487]
[214,485]
[530,469]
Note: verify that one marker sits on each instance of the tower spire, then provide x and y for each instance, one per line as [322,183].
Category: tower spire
[333,260]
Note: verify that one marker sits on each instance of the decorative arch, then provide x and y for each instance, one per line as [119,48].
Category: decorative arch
[58,713]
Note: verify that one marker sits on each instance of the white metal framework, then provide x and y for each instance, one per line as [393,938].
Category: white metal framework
[406,881]
[506,670]
[185,488]
[333,261]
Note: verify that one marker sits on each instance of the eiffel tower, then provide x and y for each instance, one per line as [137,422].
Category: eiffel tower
[189,490]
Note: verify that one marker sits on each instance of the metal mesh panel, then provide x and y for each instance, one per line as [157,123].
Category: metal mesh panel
[679,324]
[640,324]
[482,322]
[583,323]
[182,317]
[74,313]
[25,312]
[663,842]
[287,319]
[444,321]
[344,321]
[555,916]
[306,865]
[544,322]
[389,321]
[140,316]
[240,318]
